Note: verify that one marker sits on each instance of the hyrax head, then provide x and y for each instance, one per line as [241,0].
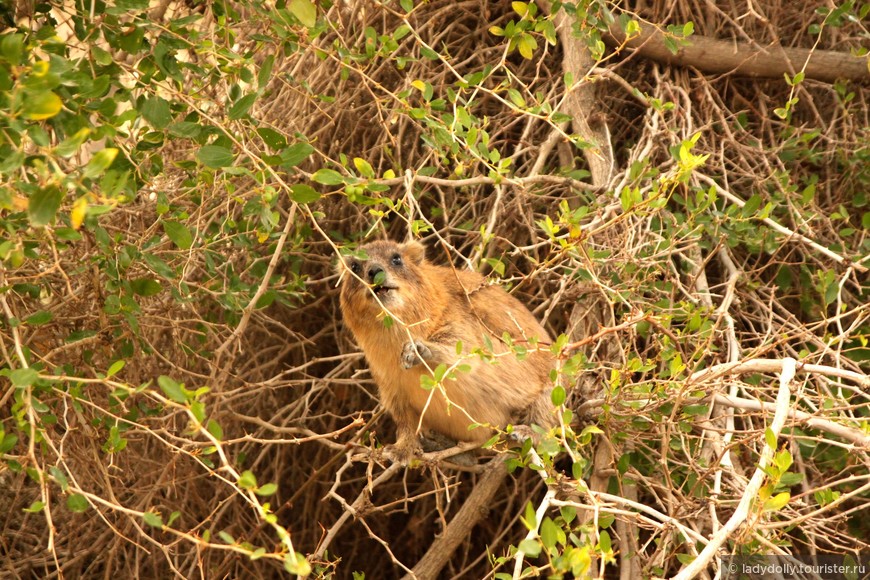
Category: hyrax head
[384,270]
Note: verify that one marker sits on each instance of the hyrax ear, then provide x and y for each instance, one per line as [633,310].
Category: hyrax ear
[414,252]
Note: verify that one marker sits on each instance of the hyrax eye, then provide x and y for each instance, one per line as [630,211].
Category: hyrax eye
[396,260]
[354,267]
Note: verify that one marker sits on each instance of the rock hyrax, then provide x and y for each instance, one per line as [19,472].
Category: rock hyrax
[439,316]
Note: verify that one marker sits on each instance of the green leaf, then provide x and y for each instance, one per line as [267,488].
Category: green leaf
[101,56]
[516,98]
[215,156]
[215,429]
[71,144]
[185,130]
[558,395]
[145,287]
[407,5]
[180,235]
[247,480]
[274,139]
[39,318]
[197,409]
[241,107]
[777,502]
[530,520]
[77,503]
[101,161]
[752,205]
[172,389]
[770,438]
[295,154]
[364,167]
[304,11]
[301,193]
[115,368]
[153,519]
[297,564]
[8,442]
[226,537]
[156,111]
[427,52]
[696,410]
[35,507]
[527,45]
[265,74]
[22,378]
[531,548]
[549,534]
[266,490]
[59,476]
[12,47]
[328,177]
[42,105]
[43,205]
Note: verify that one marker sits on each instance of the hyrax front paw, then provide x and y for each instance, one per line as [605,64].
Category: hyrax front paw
[414,353]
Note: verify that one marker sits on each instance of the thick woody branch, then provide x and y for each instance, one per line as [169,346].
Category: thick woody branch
[710,55]
[457,531]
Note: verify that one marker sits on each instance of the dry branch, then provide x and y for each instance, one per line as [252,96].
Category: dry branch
[710,55]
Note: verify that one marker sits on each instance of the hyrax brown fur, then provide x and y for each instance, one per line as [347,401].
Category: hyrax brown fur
[434,308]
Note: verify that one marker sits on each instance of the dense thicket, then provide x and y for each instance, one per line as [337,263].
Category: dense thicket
[179,397]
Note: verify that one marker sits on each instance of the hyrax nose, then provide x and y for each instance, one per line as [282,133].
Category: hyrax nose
[374,272]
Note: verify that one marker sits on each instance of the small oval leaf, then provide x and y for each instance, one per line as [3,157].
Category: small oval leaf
[77,503]
[42,105]
[43,205]
[180,235]
[304,11]
[215,156]
[301,193]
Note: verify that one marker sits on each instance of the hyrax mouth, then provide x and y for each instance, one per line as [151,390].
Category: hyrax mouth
[381,291]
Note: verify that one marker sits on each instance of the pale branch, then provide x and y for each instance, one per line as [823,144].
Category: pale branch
[782,229]
[750,494]
[711,55]
[520,182]
[632,509]
[854,436]
[856,493]
[261,289]
[350,510]
[533,532]
[762,365]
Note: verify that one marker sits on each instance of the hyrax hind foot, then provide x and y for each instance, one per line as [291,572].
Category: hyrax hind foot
[403,452]
[414,353]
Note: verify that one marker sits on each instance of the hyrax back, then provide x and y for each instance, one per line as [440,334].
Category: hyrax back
[434,308]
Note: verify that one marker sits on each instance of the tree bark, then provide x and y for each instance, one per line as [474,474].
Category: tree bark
[710,55]
[581,103]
